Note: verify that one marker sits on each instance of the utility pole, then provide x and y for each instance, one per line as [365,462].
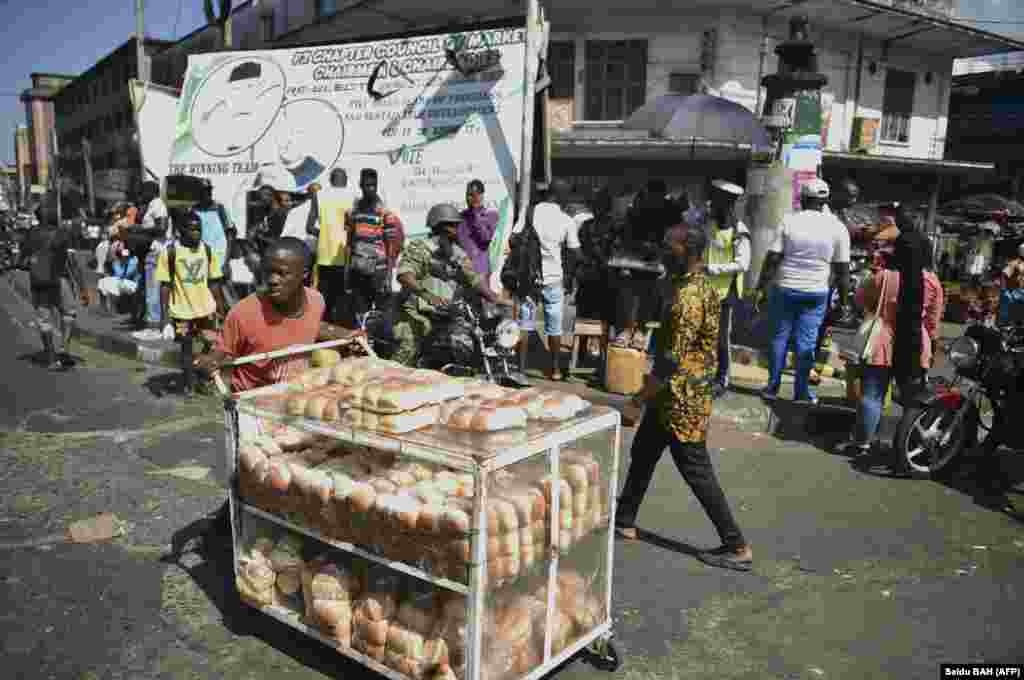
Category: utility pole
[87,164]
[140,40]
[55,172]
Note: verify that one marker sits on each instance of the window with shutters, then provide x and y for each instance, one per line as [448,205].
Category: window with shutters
[562,69]
[616,78]
[898,105]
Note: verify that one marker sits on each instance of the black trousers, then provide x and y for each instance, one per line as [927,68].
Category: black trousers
[366,290]
[636,299]
[331,282]
[694,464]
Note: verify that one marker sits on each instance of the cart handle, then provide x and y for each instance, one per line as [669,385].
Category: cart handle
[218,379]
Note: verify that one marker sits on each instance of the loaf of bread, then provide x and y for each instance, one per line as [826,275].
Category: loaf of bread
[357,370]
[558,406]
[398,423]
[477,418]
[256,583]
[391,395]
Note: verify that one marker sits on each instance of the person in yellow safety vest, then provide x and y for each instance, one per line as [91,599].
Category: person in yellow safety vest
[726,260]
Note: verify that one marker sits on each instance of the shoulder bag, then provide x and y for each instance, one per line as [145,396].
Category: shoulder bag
[866,340]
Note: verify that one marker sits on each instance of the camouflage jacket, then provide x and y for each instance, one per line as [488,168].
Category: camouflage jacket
[435,274]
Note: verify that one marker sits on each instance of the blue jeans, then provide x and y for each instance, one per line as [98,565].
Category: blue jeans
[153,311]
[552,297]
[1009,298]
[800,314]
[875,382]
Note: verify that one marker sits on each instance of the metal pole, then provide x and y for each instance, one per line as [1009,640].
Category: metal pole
[55,172]
[140,40]
[89,187]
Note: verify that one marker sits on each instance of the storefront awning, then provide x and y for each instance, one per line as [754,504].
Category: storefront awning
[609,145]
[904,164]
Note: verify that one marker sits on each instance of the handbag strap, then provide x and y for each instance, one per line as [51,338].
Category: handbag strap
[881,295]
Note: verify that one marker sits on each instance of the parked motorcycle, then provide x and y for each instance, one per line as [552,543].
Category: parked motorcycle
[951,418]
[467,340]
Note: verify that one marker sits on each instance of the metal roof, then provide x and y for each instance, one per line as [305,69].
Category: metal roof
[900,23]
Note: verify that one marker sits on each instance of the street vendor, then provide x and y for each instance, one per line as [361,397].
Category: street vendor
[286,314]
[431,274]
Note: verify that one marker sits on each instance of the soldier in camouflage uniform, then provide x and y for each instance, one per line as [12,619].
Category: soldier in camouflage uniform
[432,272]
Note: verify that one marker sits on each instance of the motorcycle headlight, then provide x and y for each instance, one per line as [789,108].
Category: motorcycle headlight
[963,353]
[507,334]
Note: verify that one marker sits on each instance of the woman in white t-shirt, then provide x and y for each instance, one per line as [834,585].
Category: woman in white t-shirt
[811,245]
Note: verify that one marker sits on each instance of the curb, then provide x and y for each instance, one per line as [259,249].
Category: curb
[114,343]
[748,356]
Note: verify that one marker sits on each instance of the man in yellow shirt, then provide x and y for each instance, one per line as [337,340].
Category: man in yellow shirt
[332,240]
[190,276]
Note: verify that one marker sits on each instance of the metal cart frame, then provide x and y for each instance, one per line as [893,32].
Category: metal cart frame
[417,446]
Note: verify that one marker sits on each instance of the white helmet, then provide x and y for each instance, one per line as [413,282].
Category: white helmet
[277,177]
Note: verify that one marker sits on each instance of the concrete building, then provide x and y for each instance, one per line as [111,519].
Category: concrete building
[986,123]
[96,106]
[39,116]
[170,64]
[885,108]
[22,161]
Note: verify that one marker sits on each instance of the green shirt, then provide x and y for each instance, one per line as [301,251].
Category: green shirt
[435,274]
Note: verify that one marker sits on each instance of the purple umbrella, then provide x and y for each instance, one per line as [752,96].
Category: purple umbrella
[702,116]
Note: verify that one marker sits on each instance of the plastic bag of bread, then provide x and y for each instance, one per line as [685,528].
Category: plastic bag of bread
[478,418]
[333,589]
[310,379]
[372,614]
[359,369]
[392,423]
[286,560]
[451,627]
[508,638]
[255,583]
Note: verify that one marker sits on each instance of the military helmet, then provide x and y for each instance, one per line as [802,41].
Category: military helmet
[442,213]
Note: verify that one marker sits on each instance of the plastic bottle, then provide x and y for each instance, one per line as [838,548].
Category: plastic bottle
[528,315]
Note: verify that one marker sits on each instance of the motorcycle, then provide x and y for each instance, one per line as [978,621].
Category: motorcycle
[467,340]
[950,418]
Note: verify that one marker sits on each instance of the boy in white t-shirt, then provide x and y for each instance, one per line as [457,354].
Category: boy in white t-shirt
[810,248]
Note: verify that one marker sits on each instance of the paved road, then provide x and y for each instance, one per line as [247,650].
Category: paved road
[858,575]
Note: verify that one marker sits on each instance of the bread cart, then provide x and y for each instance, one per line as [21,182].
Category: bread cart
[506,576]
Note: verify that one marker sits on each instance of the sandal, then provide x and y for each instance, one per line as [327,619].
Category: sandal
[628,533]
[725,558]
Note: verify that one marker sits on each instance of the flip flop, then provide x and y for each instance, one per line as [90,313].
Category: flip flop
[628,533]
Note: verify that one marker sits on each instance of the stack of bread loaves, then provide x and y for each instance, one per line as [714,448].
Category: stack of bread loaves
[489,408]
[419,633]
[369,393]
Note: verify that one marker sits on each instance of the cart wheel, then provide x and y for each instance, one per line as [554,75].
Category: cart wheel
[603,655]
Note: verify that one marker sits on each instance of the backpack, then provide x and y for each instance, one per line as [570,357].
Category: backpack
[369,232]
[521,273]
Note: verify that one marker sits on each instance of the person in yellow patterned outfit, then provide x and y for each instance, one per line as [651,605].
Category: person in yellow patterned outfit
[678,394]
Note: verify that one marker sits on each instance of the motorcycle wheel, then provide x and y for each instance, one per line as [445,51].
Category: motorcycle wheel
[916,453]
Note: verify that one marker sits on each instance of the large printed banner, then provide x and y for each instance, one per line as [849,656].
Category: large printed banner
[429,113]
[156,109]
